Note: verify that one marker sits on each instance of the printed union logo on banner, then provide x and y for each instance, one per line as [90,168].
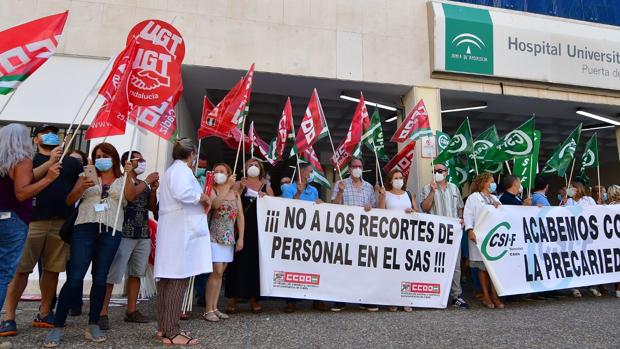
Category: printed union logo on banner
[295,280]
[469,40]
[419,289]
[498,242]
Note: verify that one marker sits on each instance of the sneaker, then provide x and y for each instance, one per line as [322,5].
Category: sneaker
[337,307]
[136,317]
[576,293]
[104,323]
[594,292]
[8,328]
[44,322]
[459,302]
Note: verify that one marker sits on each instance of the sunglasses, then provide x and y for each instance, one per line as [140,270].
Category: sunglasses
[105,191]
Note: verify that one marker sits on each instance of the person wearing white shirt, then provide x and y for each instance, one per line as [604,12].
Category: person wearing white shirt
[479,200]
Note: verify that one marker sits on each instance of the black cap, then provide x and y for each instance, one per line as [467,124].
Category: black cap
[44,127]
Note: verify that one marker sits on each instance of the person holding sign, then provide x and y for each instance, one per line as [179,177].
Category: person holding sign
[183,247]
[242,276]
[395,198]
[302,190]
[478,201]
[227,211]
[444,199]
[355,191]
[94,239]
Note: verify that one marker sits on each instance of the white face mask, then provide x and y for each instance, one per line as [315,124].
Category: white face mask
[220,178]
[520,189]
[356,172]
[570,192]
[439,177]
[253,171]
[311,177]
[140,168]
[397,183]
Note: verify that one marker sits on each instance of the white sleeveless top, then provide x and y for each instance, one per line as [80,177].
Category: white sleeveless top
[397,202]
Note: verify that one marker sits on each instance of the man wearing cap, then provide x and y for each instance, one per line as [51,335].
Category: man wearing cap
[44,243]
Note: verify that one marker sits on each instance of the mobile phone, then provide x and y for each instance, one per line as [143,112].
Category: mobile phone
[91,173]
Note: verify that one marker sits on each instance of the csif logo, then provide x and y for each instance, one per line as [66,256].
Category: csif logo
[468,40]
[461,143]
[480,147]
[569,148]
[520,141]
[497,239]
[588,158]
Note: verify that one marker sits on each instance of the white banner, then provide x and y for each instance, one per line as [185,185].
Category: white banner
[480,40]
[531,249]
[342,253]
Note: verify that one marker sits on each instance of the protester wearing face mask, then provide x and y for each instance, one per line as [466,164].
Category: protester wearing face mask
[578,196]
[541,187]
[95,239]
[513,191]
[599,194]
[44,243]
[444,199]
[479,200]
[283,183]
[302,190]
[242,276]
[201,172]
[135,248]
[562,196]
[396,198]
[226,213]
[355,191]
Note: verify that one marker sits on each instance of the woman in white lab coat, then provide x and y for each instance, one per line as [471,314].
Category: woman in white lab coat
[183,241]
[480,199]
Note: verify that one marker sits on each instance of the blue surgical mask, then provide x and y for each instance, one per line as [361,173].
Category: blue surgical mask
[559,197]
[604,197]
[492,187]
[283,186]
[311,177]
[103,164]
[50,139]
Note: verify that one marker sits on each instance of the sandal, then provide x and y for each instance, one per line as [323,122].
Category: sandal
[221,315]
[231,307]
[170,340]
[211,316]
[93,333]
[160,335]
[52,340]
[498,303]
[487,303]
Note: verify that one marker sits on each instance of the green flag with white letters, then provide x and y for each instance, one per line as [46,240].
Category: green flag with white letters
[460,143]
[563,155]
[517,143]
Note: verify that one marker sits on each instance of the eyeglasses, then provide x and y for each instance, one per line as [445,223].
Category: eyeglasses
[105,191]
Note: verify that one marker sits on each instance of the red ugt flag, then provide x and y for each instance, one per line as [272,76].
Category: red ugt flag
[161,119]
[402,161]
[24,48]
[312,126]
[359,123]
[414,126]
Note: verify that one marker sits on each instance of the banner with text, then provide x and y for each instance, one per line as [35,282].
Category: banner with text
[343,253]
[531,249]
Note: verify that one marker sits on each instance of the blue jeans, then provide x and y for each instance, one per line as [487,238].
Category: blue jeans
[13,233]
[87,245]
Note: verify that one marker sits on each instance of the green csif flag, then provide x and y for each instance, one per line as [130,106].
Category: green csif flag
[458,171]
[460,143]
[485,141]
[517,143]
[442,140]
[526,168]
[589,159]
[373,137]
[563,155]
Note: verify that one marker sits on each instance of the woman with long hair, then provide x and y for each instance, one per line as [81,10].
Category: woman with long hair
[242,276]
[480,199]
[226,215]
[95,238]
[16,192]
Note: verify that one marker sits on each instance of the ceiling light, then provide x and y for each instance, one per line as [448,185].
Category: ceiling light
[598,117]
[484,106]
[593,128]
[373,104]
[392,119]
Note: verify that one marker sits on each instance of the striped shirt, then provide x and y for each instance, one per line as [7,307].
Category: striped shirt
[446,202]
[356,196]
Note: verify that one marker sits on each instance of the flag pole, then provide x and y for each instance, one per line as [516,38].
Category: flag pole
[8,100]
[198,154]
[239,149]
[508,167]
[530,179]
[377,163]
[122,193]
[66,145]
[294,146]
[475,161]
[570,177]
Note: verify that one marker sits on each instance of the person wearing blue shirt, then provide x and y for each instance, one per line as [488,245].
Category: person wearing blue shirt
[302,190]
[539,198]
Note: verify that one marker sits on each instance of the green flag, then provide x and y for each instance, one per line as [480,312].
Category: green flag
[442,139]
[458,172]
[561,158]
[319,177]
[589,159]
[517,143]
[460,143]
[373,138]
[481,146]
[526,168]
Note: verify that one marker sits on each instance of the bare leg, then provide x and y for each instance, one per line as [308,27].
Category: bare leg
[14,293]
[484,284]
[214,285]
[48,285]
[133,288]
[106,301]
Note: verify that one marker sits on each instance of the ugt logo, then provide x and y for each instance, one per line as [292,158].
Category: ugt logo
[498,239]
[468,40]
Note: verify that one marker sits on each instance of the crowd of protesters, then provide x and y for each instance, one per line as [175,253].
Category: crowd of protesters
[59,213]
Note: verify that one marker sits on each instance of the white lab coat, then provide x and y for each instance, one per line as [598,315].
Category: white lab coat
[474,206]
[183,242]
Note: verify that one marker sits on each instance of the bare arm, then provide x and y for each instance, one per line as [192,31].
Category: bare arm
[41,170]
[153,196]
[23,176]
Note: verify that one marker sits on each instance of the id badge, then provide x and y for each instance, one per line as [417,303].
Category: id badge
[5,215]
[101,207]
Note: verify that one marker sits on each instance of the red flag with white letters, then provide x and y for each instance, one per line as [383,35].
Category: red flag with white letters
[313,125]
[360,122]
[415,125]
[402,161]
